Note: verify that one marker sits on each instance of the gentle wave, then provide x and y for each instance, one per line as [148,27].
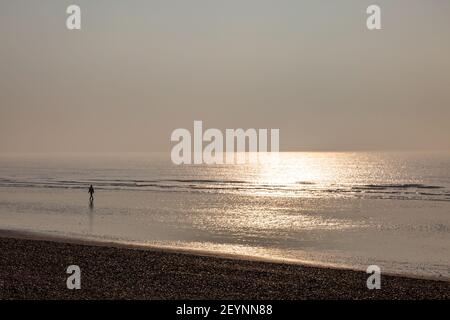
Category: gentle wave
[396,186]
[409,191]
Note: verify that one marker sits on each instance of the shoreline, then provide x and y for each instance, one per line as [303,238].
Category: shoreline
[38,236]
[36,269]
[31,235]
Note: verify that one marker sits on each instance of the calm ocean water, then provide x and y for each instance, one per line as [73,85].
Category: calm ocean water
[340,209]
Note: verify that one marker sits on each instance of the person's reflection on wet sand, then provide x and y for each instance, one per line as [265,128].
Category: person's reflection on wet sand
[91,215]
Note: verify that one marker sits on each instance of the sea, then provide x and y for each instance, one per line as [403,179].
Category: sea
[344,209]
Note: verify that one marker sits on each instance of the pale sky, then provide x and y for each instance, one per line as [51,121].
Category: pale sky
[140,69]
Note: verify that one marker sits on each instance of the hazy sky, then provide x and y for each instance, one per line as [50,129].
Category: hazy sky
[140,69]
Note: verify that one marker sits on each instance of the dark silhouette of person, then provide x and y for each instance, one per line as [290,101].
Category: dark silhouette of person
[91,192]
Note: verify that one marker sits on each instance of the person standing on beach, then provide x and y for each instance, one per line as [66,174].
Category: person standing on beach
[91,192]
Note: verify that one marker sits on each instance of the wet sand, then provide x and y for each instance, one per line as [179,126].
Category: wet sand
[36,269]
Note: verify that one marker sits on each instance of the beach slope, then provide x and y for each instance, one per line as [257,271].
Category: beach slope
[36,269]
